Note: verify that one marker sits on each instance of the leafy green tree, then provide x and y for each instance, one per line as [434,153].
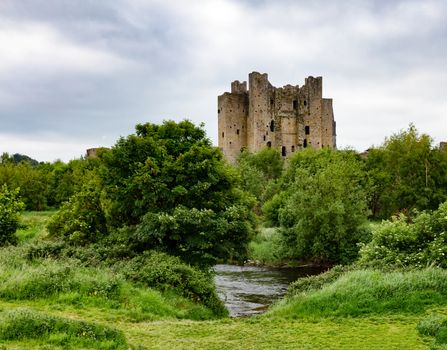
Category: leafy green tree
[322,209]
[406,173]
[164,188]
[10,206]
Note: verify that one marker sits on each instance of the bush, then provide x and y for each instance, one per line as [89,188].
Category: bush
[164,272]
[419,242]
[10,206]
[22,324]
[81,220]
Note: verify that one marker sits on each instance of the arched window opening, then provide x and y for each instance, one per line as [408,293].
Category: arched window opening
[293,148]
[305,143]
[283,151]
[269,144]
[223,134]
[272,125]
[264,137]
[237,132]
[295,104]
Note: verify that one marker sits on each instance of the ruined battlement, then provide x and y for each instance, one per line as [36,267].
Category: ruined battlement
[288,118]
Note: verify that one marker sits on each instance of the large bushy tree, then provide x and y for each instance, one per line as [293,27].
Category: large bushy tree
[322,207]
[173,192]
[406,173]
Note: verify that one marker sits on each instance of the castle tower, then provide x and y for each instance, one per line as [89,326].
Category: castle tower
[288,119]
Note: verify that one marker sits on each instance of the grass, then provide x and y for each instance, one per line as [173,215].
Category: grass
[33,225]
[264,248]
[369,292]
[48,304]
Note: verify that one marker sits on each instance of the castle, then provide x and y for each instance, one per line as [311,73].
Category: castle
[288,119]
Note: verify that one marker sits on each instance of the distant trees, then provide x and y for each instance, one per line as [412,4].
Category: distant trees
[406,173]
[10,206]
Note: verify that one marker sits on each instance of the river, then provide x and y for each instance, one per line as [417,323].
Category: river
[249,290]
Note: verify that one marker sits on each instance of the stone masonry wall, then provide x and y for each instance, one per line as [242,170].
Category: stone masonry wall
[288,119]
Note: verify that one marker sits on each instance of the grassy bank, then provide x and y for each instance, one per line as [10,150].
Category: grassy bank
[52,303]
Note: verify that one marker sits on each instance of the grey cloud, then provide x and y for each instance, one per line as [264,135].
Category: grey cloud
[135,61]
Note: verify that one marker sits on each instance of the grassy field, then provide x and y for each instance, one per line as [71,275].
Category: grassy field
[125,316]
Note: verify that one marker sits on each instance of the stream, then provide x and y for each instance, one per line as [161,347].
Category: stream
[249,290]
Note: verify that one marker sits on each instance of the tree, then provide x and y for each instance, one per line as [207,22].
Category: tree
[322,209]
[167,188]
[406,173]
[10,206]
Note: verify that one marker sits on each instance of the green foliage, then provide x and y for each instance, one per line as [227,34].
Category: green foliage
[406,173]
[366,292]
[434,326]
[168,183]
[163,272]
[316,282]
[322,209]
[10,206]
[420,241]
[146,288]
[259,173]
[20,324]
[81,220]
[197,236]
[265,248]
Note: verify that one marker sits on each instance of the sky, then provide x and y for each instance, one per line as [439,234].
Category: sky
[81,74]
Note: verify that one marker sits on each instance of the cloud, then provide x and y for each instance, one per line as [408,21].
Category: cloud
[84,70]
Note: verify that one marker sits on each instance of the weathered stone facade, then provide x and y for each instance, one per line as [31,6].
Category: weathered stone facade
[288,119]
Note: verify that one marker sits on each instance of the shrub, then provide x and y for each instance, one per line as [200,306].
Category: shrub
[10,206]
[81,220]
[402,241]
[164,272]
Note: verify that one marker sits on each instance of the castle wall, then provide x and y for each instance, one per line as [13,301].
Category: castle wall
[328,124]
[288,119]
[232,123]
[259,112]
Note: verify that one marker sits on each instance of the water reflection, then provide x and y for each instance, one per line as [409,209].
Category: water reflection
[248,290]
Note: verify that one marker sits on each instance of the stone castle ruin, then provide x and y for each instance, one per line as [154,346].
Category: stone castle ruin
[288,119]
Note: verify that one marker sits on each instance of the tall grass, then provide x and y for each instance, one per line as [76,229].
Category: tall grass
[366,292]
[66,282]
[25,324]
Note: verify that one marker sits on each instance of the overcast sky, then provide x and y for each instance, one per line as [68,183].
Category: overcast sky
[76,74]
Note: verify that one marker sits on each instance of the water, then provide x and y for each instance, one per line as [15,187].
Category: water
[249,290]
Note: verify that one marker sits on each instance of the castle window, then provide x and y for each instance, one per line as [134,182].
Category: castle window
[218,111]
[269,144]
[271,102]
[237,131]
[295,104]
[272,125]
[305,143]
[293,148]
[264,137]
[307,130]
[305,102]
[283,151]
[223,134]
